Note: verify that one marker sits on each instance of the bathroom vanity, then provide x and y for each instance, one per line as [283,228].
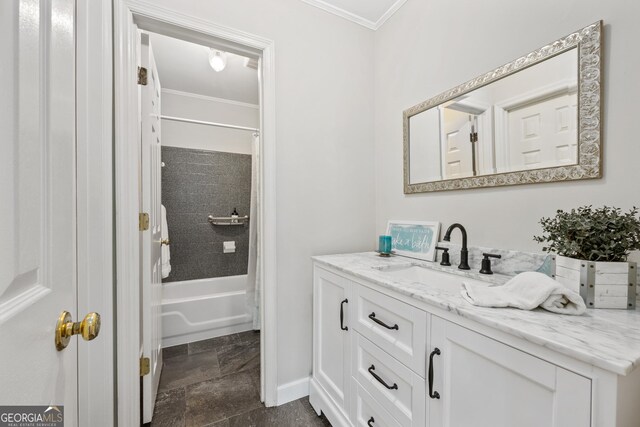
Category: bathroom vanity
[395,344]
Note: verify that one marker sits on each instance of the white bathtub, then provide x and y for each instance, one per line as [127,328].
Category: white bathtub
[196,310]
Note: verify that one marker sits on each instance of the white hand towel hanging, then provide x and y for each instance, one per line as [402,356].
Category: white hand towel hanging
[165,251]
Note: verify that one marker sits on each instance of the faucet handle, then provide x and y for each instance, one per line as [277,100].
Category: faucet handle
[445,256]
[486,255]
[486,263]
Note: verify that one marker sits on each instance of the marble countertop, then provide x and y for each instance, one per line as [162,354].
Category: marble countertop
[608,339]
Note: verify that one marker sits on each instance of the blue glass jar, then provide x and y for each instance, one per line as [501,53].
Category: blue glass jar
[384,244]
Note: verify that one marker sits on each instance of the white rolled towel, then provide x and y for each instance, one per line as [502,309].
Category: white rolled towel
[165,252]
[526,291]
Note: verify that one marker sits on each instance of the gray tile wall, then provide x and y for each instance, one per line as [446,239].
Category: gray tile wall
[196,184]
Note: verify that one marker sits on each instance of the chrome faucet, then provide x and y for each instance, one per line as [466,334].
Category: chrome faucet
[464,252]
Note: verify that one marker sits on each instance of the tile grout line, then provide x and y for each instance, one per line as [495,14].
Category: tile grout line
[234,415]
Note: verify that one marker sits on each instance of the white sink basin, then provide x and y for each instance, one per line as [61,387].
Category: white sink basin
[428,277]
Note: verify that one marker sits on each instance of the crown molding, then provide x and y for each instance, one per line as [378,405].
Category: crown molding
[357,18]
[210,98]
[389,13]
[342,13]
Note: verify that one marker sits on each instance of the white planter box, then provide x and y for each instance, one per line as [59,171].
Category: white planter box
[600,284]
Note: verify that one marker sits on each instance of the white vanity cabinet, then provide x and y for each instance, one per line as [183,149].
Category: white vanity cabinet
[368,355]
[384,358]
[332,340]
[480,382]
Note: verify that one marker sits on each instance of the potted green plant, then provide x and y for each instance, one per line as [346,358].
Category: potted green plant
[591,248]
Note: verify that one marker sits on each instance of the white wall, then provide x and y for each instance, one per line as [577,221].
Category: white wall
[195,107]
[325,164]
[418,54]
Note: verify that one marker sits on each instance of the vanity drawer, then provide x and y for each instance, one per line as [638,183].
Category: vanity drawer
[366,412]
[395,387]
[398,328]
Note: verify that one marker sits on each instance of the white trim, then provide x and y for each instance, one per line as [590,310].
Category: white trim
[210,98]
[94,124]
[342,13]
[192,28]
[293,390]
[552,90]
[389,13]
[168,21]
[126,158]
[486,154]
[350,16]
[267,215]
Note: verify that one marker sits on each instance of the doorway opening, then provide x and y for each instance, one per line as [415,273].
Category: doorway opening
[199,170]
[222,311]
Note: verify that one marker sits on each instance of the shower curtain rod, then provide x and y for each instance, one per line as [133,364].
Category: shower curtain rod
[200,122]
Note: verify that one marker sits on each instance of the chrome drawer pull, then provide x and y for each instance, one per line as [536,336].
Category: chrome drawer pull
[380,380]
[372,316]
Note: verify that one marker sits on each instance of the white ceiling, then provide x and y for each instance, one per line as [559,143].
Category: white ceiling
[184,66]
[369,13]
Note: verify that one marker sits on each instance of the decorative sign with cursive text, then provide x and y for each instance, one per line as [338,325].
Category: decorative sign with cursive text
[414,239]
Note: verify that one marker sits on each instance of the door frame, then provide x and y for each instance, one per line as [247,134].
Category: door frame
[151,17]
[94,208]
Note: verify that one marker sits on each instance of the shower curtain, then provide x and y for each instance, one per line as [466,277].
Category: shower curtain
[253,279]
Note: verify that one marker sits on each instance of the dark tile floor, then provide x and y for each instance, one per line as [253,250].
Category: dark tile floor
[216,383]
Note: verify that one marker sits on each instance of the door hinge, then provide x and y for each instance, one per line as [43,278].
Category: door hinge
[142,76]
[473,136]
[145,366]
[143,221]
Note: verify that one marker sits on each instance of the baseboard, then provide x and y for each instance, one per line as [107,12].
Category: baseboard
[293,390]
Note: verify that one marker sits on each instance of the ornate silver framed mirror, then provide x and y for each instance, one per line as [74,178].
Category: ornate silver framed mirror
[536,119]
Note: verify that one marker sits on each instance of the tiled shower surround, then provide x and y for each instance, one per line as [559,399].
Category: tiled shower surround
[196,184]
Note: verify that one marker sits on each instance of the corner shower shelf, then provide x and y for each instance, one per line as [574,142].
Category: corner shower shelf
[227,220]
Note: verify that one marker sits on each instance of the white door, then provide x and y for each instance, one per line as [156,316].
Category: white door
[458,147]
[544,134]
[331,334]
[151,239]
[484,383]
[37,203]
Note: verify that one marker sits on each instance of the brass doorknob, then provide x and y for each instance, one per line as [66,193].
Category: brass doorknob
[89,328]
[164,242]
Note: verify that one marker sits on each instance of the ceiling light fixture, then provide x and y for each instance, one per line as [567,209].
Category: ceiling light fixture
[217,59]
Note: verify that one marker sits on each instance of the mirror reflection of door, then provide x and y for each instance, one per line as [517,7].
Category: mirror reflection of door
[526,120]
[543,133]
[458,148]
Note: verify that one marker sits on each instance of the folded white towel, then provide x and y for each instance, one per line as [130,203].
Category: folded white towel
[526,291]
[165,253]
